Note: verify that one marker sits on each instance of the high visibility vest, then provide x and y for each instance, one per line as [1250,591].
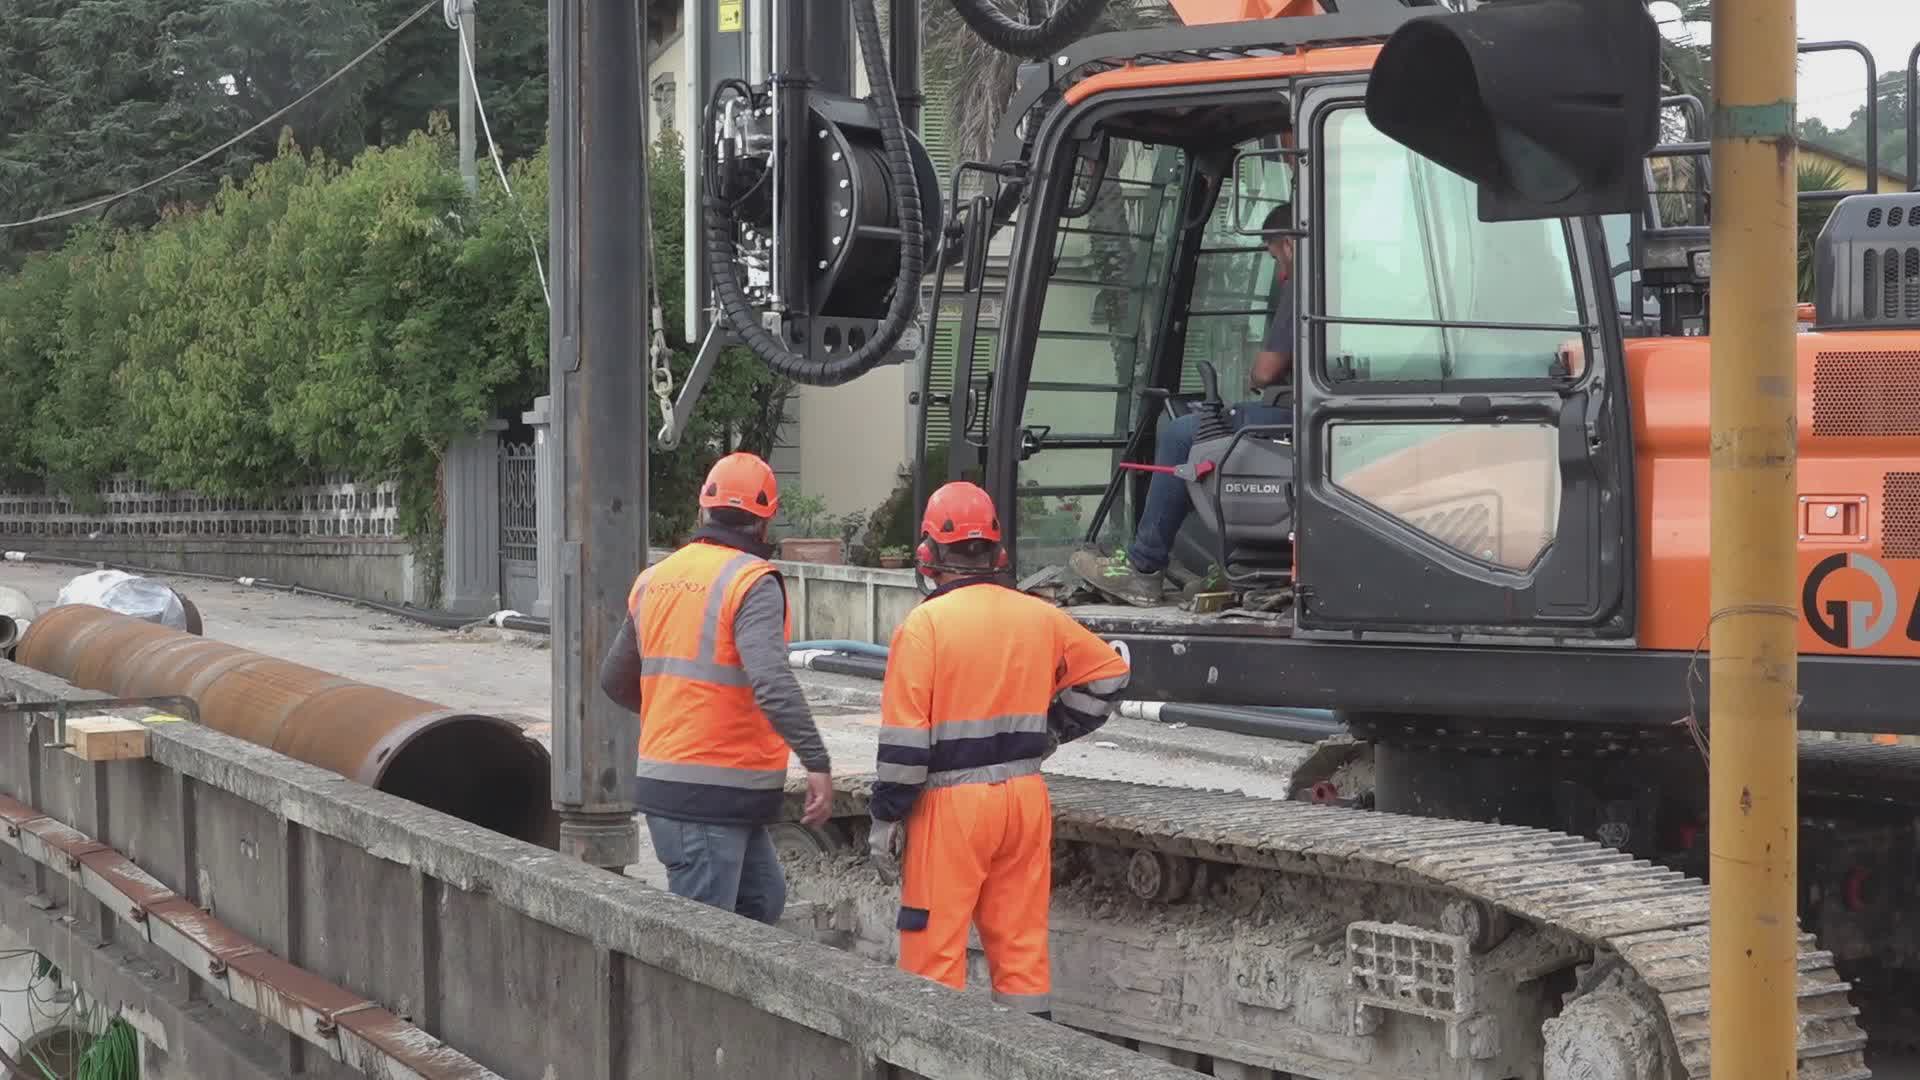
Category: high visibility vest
[707,752]
[971,676]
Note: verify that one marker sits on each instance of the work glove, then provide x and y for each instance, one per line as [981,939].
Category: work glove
[886,842]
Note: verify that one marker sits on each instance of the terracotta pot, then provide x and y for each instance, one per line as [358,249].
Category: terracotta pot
[893,562]
[795,549]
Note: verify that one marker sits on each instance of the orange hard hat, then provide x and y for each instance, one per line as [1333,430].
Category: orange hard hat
[961,511]
[744,482]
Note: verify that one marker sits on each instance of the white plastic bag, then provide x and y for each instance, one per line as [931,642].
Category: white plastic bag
[128,594]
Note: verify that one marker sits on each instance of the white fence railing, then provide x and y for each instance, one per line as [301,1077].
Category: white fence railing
[337,508]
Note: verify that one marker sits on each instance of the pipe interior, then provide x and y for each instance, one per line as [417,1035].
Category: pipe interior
[481,771]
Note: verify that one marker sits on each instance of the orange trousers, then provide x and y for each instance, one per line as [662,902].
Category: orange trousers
[980,854]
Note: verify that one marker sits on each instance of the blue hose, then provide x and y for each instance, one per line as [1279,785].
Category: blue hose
[858,648]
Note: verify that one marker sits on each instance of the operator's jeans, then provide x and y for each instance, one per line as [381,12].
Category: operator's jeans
[1167,502]
[727,866]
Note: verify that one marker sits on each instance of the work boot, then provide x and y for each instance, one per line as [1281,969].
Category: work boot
[1117,577]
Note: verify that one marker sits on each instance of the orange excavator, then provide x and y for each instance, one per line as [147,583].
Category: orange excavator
[1477,527]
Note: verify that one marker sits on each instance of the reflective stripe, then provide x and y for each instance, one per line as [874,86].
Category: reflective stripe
[913,738]
[889,773]
[681,772]
[1026,1003]
[986,774]
[697,670]
[1011,724]
[717,599]
[1082,702]
[1108,686]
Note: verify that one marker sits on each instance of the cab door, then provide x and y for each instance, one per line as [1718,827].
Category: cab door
[1463,445]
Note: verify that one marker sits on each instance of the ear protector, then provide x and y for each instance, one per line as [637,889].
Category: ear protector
[927,563]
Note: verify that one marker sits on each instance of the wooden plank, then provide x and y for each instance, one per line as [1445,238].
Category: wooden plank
[106,738]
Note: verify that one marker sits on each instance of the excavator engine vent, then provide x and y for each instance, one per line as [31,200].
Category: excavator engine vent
[1867,264]
[1874,393]
[1900,516]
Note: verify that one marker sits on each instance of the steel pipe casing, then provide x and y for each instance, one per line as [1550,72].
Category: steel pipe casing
[482,769]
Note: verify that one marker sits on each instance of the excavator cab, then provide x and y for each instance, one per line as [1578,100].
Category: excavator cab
[1448,452]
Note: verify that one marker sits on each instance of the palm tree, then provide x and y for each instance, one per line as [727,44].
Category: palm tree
[980,81]
[1814,175]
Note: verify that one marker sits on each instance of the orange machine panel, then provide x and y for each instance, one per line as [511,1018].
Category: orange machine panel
[1335,61]
[1858,516]
[1199,12]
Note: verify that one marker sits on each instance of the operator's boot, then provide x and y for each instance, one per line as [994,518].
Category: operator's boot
[1117,577]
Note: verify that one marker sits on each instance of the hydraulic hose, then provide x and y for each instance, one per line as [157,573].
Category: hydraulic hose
[1295,725]
[721,252]
[858,648]
[1031,42]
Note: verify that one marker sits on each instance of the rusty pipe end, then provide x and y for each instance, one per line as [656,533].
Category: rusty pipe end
[481,769]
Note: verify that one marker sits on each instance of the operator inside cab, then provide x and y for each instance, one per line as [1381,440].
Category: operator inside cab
[1138,575]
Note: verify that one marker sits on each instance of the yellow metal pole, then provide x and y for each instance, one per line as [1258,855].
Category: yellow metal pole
[1754,816]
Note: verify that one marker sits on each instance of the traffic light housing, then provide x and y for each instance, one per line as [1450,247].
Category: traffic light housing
[1550,106]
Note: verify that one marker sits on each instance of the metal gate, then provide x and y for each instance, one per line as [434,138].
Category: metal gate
[519,527]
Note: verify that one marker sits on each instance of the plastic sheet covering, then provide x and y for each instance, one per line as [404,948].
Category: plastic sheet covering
[128,594]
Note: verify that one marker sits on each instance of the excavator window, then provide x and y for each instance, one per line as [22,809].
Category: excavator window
[1426,283]
[1409,260]
[1098,328]
[1235,290]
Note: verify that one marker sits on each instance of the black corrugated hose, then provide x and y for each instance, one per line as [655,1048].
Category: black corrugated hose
[721,252]
[1062,28]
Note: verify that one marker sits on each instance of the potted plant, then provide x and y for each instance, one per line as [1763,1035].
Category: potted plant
[895,557]
[809,531]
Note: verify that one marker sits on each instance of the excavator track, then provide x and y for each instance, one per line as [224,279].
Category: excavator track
[1643,925]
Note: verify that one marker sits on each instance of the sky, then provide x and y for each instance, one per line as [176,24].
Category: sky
[1832,85]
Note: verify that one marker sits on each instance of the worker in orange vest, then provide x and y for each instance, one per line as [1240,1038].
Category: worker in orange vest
[702,658]
[983,682]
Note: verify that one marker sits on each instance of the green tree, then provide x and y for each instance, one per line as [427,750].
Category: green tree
[418,73]
[1852,140]
[99,97]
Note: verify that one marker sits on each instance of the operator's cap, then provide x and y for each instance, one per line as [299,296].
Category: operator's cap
[741,481]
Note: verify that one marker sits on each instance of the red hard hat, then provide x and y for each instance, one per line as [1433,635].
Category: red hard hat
[961,511]
[744,482]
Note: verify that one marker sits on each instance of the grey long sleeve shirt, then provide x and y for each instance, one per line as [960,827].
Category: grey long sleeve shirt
[759,633]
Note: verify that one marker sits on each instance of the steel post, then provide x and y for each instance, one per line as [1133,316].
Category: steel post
[468,61]
[904,45]
[598,212]
[1755,654]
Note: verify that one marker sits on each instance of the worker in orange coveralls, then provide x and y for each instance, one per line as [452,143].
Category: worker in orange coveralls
[983,683]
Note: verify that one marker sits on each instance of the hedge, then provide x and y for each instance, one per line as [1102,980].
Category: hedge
[320,317]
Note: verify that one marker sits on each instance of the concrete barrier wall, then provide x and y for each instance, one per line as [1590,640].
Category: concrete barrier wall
[370,569]
[536,965]
[852,602]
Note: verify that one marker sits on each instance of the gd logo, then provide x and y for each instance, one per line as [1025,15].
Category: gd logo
[1853,624]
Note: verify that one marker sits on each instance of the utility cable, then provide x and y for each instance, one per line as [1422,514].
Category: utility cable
[493,152]
[108,200]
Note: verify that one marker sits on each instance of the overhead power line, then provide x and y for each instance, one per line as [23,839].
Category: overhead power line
[493,151]
[107,200]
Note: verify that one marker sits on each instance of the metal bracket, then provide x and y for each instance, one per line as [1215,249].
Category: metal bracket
[676,416]
[186,706]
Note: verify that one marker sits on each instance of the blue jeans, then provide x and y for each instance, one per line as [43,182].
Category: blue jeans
[1167,502]
[727,866]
